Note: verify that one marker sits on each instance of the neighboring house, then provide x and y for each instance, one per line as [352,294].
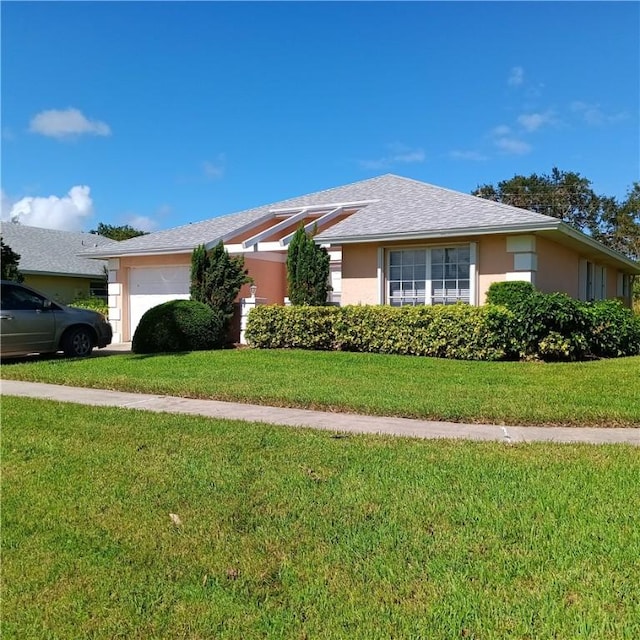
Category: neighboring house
[392,240]
[50,262]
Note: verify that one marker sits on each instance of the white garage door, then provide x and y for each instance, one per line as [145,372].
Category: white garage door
[151,286]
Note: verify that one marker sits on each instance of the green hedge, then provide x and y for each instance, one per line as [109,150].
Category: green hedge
[460,331]
[538,326]
[93,303]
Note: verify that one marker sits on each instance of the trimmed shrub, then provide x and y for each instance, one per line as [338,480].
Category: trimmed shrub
[459,331]
[179,325]
[613,330]
[540,315]
[509,294]
[295,327]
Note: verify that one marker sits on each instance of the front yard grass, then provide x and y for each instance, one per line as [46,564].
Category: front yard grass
[598,393]
[299,534]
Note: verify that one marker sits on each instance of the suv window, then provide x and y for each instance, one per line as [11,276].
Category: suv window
[15,298]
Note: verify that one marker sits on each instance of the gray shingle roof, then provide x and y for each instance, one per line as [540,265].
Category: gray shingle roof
[410,207]
[53,252]
[404,206]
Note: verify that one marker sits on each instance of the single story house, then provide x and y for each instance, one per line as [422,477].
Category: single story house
[392,240]
[50,262]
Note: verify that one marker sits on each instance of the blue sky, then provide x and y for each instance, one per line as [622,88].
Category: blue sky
[158,114]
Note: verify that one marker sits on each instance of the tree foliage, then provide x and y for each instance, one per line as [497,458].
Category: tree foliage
[569,197]
[216,277]
[9,262]
[307,270]
[123,232]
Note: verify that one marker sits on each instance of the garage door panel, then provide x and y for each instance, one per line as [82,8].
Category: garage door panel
[151,286]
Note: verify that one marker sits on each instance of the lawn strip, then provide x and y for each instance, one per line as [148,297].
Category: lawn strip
[598,393]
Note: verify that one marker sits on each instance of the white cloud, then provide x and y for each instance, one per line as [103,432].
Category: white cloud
[398,154]
[512,146]
[67,213]
[533,121]
[501,130]
[142,223]
[467,155]
[593,115]
[516,77]
[67,123]
[214,170]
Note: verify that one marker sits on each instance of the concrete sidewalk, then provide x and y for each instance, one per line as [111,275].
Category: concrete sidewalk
[339,422]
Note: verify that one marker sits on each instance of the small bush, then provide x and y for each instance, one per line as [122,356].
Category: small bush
[509,294]
[93,303]
[179,325]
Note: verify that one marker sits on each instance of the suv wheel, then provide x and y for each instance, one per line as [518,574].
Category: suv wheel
[77,343]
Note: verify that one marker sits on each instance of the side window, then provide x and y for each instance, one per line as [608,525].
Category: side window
[18,299]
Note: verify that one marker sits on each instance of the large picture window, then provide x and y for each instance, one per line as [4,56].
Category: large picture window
[436,275]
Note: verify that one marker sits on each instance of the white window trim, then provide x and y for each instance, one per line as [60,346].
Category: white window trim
[383,268]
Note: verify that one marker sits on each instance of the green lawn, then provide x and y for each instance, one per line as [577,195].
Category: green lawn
[300,534]
[604,392]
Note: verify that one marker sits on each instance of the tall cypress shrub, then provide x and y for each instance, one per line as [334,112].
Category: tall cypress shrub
[307,270]
[216,277]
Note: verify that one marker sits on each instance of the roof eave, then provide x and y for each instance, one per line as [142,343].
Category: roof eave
[440,233]
[594,244]
[155,251]
[60,274]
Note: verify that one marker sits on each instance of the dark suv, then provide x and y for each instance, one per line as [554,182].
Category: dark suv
[31,323]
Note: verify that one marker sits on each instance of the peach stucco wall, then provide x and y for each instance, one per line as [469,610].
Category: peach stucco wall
[270,277]
[493,262]
[558,268]
[360,274]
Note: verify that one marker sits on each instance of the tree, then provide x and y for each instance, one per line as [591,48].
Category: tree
[563,195]
[307,270]
[619,226]
[123,232]
[9,263]
[569,197]
[216,278]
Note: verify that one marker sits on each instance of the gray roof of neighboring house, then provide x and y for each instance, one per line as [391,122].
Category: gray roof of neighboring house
[403,206]
[54,252]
